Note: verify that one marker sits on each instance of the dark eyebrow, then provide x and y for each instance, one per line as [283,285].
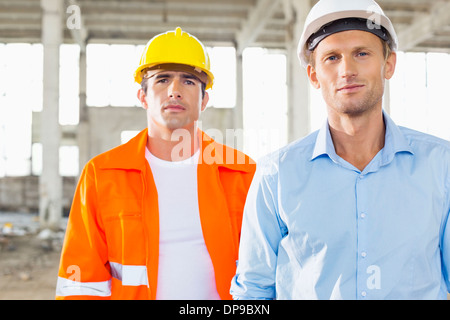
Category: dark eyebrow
[162,75]
[189,76]
[186,75]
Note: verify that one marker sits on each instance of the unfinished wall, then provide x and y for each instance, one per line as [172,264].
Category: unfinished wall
[21,194]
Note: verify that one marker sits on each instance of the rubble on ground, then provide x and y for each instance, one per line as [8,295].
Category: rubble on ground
[25,248]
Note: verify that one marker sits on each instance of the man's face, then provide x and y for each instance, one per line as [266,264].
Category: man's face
[351,69]
[173,99]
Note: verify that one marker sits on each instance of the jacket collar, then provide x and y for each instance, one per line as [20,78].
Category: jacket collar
[131,155]
[128,156]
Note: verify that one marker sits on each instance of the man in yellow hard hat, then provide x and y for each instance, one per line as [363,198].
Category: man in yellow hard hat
[360,208]
[159,217]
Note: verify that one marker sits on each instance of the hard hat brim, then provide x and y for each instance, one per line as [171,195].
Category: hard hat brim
[138,73]
[196,72]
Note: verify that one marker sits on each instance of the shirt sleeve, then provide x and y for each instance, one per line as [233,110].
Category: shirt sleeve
[262,230]
[445,243]
[84,271]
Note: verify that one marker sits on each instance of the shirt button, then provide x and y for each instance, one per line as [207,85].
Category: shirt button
[364,293]
[363,215]
[363,254]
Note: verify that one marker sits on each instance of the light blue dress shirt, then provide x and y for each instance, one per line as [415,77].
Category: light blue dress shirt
[316,227]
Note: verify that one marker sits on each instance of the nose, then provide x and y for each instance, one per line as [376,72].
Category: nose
[347,68]
[175,89]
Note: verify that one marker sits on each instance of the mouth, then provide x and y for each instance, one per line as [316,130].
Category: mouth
[174,108]
[350,88]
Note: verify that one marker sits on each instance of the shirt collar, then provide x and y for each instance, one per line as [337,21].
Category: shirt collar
[324,144]
[395,142]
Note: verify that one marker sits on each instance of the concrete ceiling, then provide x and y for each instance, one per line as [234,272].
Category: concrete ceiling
[422,25]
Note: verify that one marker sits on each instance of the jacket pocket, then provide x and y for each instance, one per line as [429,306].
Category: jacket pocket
[124,231]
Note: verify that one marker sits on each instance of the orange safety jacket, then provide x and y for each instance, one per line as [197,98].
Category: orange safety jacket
[111,245]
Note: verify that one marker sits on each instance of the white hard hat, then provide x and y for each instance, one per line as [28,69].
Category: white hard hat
[328,11]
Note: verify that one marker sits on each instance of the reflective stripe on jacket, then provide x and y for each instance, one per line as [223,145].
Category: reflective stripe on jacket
[111,245]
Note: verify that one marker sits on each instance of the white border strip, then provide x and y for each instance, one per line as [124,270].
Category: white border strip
[65,287]
[129,275]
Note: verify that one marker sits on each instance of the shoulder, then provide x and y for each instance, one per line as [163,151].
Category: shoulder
[423,142]
[294,153]
[432,151]
[107,156]
[225,157]
[130,155]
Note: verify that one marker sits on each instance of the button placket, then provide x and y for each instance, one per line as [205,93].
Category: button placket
[362,253]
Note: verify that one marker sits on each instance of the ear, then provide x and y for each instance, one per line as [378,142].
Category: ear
[312,75]
[205,101]
[142,98]
[389,67]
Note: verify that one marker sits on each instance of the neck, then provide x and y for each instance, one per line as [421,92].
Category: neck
[358,139]
[172,145]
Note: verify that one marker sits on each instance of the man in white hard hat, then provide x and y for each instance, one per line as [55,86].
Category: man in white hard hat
[358,209]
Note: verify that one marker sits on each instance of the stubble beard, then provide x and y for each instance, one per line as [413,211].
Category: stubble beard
[357,107]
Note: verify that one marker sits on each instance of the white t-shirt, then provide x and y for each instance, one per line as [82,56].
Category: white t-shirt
[185,268]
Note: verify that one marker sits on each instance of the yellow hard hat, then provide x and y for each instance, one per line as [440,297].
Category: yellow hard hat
[175,47]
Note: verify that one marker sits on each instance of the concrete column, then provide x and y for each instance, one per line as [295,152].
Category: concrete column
[50,182]
[297,80]
[238,112]
[83,127]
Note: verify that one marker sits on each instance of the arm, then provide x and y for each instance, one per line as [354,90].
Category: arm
[445,231]
[445,247]
[262,230]
[84,270]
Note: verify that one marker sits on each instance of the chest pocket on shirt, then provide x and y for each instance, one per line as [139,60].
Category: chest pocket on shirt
[124,231]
